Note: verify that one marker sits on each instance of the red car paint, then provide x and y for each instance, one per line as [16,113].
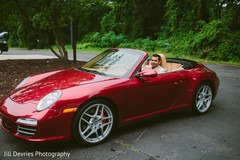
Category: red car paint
[133,97]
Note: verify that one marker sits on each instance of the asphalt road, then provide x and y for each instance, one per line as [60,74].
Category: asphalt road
[177,136]
[39,54]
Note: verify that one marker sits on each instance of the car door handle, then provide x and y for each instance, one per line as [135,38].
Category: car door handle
[178,82]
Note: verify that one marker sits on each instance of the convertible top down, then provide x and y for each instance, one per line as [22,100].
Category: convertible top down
[87,103]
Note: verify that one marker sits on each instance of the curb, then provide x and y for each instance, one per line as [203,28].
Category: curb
[24,57]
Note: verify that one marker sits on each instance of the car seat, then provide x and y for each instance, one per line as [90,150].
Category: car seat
[163,61]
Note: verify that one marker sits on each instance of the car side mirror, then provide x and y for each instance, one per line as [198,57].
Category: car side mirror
[147,73]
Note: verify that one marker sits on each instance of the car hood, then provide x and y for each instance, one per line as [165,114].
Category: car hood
[33,92]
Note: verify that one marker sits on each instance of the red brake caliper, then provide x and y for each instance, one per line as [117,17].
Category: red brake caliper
[99,112]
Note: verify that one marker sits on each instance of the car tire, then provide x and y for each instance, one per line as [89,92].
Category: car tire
[93,122]
[202,98]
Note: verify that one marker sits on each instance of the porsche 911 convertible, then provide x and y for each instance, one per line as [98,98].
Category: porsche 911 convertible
[86,104]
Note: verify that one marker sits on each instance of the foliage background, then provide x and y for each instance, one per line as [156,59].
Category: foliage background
[208,29]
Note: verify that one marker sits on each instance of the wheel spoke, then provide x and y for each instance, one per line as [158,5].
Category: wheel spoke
[101,129]
[199,104]
[209,94]
[88,127]
[96,132]
[106,118]
[199,96]
[102,112]
[89,115]
[204,90]
[97,111]
[89,134]
[205,105]
[86,121]
[208,99]
[105,124]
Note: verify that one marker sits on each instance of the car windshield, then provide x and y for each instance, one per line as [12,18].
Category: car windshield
[116,63]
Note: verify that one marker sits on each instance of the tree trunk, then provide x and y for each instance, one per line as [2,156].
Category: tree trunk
[202,10]
[199,6]
[59,41]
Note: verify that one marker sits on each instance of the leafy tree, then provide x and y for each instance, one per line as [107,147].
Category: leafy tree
[135,18]
[48,14]
[48,21]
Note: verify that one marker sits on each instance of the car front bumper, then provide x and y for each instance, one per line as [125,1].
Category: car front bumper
[22,121]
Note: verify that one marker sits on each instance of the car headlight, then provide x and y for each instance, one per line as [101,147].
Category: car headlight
[49,100]
[25,80]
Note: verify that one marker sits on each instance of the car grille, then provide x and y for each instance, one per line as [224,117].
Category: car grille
[26,131]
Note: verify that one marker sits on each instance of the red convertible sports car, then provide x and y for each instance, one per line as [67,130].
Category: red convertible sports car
[112,89]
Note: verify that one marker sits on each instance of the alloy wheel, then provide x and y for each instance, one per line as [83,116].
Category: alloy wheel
[95,123]
[203,98]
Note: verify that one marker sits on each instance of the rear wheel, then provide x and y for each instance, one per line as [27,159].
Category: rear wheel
[202,98]
[93,123]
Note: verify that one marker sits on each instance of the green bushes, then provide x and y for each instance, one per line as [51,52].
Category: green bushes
[109,40]
[144,44]
[214,41]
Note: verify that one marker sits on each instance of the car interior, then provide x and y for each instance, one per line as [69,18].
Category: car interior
[173,64]
[170,66]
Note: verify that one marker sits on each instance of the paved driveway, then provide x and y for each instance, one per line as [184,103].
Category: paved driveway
[37,54]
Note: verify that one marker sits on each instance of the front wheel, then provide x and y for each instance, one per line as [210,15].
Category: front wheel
[93,122]
[202,98]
